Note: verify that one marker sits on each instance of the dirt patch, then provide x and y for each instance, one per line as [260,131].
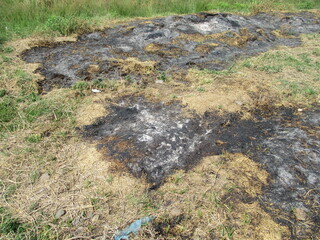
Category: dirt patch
[204,40]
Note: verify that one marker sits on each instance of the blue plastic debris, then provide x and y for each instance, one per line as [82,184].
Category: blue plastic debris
[133,228]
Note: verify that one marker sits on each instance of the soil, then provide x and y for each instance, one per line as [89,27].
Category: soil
[142,50]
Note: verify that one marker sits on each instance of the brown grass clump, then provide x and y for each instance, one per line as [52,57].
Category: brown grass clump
[164,50]
[237,40]
[228,37]
[90,111]
[133,65]
[199,38]
[205,48]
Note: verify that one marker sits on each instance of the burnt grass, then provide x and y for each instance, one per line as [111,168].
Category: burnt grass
[169,44]
[152,139]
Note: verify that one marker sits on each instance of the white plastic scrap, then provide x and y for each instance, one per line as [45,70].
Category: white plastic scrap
[96,90]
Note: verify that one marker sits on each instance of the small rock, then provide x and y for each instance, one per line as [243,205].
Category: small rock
[79,231]
[300,214]
[60,213]
[76,221]
[95,218]
[159,81]
[300,109]
[175,212]
[44,177]
[240,103]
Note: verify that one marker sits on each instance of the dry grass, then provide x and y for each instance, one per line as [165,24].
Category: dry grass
[133,65]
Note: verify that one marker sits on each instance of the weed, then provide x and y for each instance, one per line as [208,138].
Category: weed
[200,214]
[226,231]
[112,85]
[3,92]
[229,188]
[225,72]
[207,81]
[10,225]
[81,85]
[309,91]
[276,62]
[247,64]
[220,107]
[271,68]
[33,138]
[24,82]
[200,89]
[299,88]
[35,175]
[307,4]
[180,191]
[143,202]
[178,178]
[4,49]
[316,52]
[216,200]
[34,206]
[8,110]
[6,59]
[99,83]
[88,184]
[246,219]
[110,179]
[95,202]
[228,206]
[107,194]
[162,76]
[10,190]
[32,97]
[65,25]
[13,228]
[36,110]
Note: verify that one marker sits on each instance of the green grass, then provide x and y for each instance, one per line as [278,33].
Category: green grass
[26,107]
[226,231]
[20,18]
[10,225]
[13,229]
[33,138]
[15,114]
[276,62]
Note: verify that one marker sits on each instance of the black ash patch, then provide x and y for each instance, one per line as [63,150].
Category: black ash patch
[155,139]
[174,43]
[150,138]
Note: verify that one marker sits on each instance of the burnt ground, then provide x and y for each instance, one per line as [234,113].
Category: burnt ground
[143,49]
[154,139]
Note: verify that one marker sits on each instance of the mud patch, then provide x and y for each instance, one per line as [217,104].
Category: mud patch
[170,44]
